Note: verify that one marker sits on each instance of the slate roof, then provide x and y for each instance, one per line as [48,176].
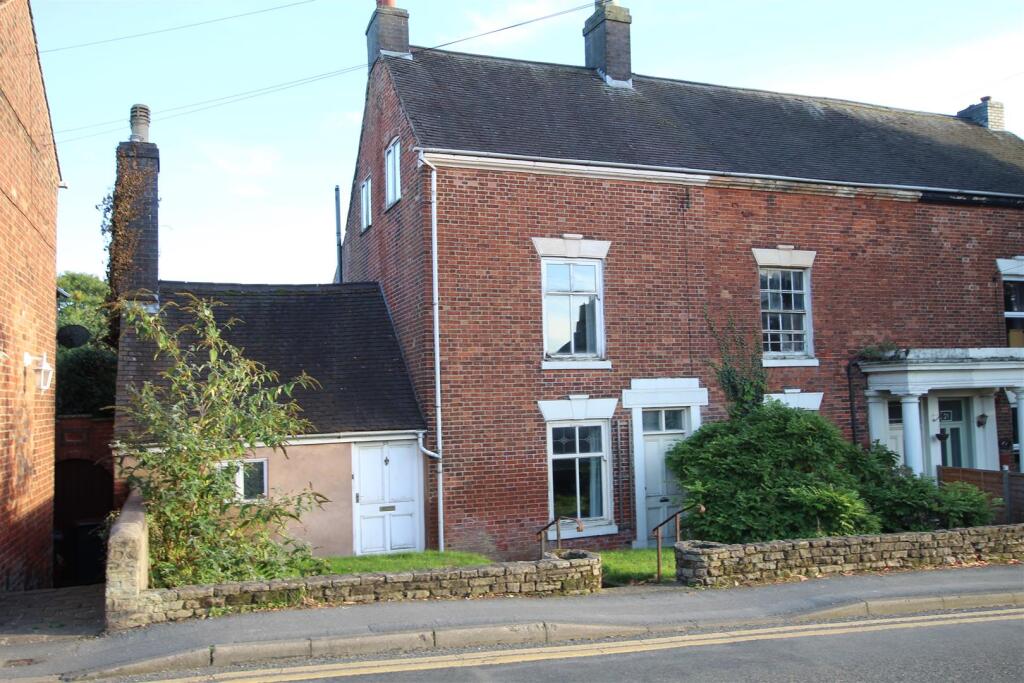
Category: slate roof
[504,106]
[340,334]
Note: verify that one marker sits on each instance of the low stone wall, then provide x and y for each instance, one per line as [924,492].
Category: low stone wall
[703,563]
[130,603]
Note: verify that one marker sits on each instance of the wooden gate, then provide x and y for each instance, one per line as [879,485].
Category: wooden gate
[1000,484]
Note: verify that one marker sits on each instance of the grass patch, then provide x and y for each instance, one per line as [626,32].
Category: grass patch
[624,567]
[404,562]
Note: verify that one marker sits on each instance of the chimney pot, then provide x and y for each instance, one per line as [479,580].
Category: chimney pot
[606,42]
[139,120]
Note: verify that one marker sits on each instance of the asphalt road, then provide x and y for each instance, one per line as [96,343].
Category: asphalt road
[985,645]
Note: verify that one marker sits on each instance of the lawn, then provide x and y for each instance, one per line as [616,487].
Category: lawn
[623,567]
[404,562]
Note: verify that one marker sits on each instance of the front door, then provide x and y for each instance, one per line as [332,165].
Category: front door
[662,429]
[388,497]
[953,433]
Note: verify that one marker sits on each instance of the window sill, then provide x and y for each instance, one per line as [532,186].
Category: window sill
[576,365]
[789,362]
[392,205]
[597,527]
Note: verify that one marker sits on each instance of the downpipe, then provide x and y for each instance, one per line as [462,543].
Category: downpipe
[436,309]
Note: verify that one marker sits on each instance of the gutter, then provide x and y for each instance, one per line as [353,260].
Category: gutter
[436,308]
[933,192]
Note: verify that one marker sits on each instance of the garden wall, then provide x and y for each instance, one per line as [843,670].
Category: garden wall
[130,603]
[703,563]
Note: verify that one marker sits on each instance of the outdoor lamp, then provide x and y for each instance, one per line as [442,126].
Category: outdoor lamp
[982,420]
[44,369]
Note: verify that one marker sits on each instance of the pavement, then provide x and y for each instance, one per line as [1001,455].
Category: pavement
[436,624]
[51,614]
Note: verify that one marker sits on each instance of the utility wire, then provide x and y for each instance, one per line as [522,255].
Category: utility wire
[203,105]
[173,28]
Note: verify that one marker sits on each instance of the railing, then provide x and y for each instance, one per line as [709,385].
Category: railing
[675,516]
[542,535]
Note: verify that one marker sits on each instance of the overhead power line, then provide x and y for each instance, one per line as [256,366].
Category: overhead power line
[203,105]
[173,28]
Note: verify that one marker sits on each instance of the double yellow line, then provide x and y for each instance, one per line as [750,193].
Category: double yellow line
[537,654]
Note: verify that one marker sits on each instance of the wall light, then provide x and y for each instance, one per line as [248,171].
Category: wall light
[42,367]
[982,420]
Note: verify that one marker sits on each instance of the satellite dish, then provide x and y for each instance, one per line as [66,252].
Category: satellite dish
[73,336]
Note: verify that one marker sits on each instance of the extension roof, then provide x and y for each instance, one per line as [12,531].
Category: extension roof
[500,106]
[340,334]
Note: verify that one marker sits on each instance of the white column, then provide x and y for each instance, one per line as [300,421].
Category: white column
[913,452]
[878,416]
[1019,393]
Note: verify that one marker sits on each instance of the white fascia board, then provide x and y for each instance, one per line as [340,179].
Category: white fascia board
[571,248]
[784,258]
[578,408]
[805,400]
[352,437]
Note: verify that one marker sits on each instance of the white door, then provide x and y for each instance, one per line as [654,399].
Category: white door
[388,497]
[662,429]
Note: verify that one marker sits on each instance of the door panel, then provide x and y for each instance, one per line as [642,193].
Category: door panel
[663,494]
[388,497]
[953,422]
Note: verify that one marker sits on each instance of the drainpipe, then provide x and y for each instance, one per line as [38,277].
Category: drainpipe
[853,398]
[436,306]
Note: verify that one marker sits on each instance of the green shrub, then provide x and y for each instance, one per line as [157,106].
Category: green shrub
[774,472]
[902,500]
[960,504]
[85,380]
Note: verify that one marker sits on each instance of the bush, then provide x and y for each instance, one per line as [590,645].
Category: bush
[775,472]
[85,380]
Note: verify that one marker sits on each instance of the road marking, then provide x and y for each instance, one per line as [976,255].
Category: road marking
[535,654]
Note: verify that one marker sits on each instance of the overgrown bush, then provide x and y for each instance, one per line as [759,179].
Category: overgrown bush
[85,380]
[777,472]
[191,428]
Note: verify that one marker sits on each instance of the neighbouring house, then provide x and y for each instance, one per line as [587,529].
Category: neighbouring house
[548,238]
[364,414]
[29,177]
[547,244]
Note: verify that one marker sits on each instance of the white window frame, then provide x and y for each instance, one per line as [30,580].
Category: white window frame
[808,352]
[366,203]
[392,173]
[599,354]
[592,526]
[1011,315]
[240,478]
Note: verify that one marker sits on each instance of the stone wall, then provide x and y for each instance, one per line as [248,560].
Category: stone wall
[703,563]
[130,603]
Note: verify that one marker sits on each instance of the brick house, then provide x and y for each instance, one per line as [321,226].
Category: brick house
[549,236]
[29,176]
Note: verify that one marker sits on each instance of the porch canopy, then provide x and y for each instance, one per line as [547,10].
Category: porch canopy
[916,376]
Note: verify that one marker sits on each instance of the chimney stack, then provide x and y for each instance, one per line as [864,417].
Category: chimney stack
[134,244]
[606,40]
[986,113]
[387,33]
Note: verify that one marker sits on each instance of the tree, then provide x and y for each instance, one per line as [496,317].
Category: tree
[87,295]
[189,431]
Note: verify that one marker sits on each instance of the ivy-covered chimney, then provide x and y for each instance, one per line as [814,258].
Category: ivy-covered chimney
[134,246]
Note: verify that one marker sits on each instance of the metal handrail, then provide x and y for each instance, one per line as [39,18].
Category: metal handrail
[675,516]
[558,532]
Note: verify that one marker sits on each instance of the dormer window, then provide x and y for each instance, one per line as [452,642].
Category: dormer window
[365,211]
[392,173]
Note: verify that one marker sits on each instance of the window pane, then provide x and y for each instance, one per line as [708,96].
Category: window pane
[652,421]
[591,488]
[673,419]
[558,277]
[584,324]
[1014,296]
[798,280]
[253,480]
[895,413]
[590,440]
[563,484]
[563,440]
[1015,332]
[559,326]
[584,278]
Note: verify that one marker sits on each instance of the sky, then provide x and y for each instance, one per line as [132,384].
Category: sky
[247,189]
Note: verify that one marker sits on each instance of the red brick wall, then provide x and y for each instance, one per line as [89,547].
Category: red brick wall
[28,214]
[916,274]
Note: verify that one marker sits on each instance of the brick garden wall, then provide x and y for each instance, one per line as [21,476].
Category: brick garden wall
[919,275]
[130,603]
[28,230]
[703,563]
